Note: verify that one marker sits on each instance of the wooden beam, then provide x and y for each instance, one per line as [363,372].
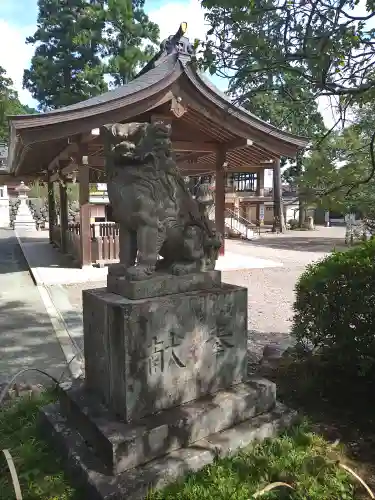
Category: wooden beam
[51,206]
[65,154]
[192,146]
[197,168]
[278,212]
[239,143]
[72,147]
[63,217]
[64,171]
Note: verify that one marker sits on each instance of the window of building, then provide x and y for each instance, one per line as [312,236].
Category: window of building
[245,181]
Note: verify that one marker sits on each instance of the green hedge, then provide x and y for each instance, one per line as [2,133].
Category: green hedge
[334,309]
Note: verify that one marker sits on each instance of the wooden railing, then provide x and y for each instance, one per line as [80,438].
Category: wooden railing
[105,243]
[73,241]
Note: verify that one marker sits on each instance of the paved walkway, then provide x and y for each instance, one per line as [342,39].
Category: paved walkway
[49,267]
[27,337]
[268,267]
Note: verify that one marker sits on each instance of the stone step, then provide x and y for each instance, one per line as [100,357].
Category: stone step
[122,446]
[86,470]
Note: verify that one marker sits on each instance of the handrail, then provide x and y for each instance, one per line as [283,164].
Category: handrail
[239,218]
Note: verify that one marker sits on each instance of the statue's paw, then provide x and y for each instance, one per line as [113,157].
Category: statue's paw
[180,268]
[140,272]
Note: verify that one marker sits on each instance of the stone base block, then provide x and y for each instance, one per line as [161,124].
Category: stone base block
[145,356]
[86,470]
[122,446]
[161,284]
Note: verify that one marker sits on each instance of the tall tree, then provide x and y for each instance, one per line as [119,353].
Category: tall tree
[80,41]
[288,103]
[130,39]
[9,104]
[329,45]
[66,67]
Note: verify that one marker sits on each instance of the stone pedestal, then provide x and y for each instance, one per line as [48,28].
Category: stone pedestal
[4,207]
[166,387]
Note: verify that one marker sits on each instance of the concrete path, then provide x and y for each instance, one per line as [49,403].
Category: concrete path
[268,267]
[27,337]
[48,267]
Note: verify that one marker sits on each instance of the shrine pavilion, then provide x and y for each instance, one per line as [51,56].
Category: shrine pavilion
[210,136]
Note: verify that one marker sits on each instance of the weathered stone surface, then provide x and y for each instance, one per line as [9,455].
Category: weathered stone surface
[86,470]
[151,202]
[152,354]
[123,446]
[162,283]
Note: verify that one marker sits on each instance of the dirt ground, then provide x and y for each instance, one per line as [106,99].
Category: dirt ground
[270,289]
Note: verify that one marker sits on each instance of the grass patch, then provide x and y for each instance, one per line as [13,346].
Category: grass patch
[300,457]
[38,468]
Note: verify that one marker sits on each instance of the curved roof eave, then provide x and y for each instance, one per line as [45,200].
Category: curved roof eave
[217,97]
[146,85]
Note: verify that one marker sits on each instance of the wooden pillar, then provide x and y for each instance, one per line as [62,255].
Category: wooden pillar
[260,193]
[260,182]
[63,216]
[84,214]
[51,207]
[278,211]
[220,194]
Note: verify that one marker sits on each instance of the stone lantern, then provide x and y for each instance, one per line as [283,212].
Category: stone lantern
[22,190]
[4,207]
[24,218]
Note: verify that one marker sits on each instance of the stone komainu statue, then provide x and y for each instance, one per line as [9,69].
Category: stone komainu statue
[153,206]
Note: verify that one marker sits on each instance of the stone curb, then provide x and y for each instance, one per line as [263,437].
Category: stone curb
[33,272]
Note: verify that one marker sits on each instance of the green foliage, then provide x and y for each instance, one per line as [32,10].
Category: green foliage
[299,457]
[281,56]
[127,29]
[9,105]
[326,44]
[80,42]
[38,468]
[293,223]
[334,308]
[66,67]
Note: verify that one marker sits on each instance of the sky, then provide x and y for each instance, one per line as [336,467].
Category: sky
[18,20]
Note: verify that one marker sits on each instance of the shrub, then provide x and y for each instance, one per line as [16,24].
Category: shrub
[334,309]
[293,223]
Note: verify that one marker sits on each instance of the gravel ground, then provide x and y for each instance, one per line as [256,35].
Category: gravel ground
[270,290]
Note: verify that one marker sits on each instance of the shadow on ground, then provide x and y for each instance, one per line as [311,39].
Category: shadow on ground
[301,243]
[28,341]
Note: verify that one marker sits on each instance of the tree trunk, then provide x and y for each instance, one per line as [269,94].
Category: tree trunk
[301,207]
[301,212]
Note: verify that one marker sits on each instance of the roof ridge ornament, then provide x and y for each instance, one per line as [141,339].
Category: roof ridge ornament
[178,43]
